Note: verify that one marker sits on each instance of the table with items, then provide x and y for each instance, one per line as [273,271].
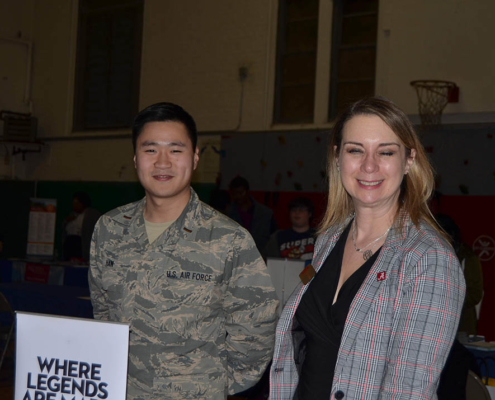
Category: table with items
[46,287]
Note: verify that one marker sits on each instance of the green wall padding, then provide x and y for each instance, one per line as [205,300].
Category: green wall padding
[14,205]
[14,216]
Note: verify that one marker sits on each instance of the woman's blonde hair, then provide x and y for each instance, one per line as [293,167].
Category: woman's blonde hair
[417,186]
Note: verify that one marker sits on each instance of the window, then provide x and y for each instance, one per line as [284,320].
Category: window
[108,63]
[296,61]
[354,32]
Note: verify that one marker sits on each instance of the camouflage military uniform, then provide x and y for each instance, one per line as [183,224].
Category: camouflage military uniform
[199,300]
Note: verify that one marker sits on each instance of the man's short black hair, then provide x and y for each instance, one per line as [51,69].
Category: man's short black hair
[302,202]
[164,112]
[238,182]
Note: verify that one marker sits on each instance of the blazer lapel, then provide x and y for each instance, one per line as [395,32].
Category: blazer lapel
[362,303]
[370,290]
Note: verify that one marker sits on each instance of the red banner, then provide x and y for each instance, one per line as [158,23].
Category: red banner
[37,273]
[473,214]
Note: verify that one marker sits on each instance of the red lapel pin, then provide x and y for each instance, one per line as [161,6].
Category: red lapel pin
[381,276]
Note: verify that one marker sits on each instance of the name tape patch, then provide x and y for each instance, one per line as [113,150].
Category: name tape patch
[192,276]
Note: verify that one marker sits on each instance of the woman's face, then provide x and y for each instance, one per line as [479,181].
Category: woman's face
[372,162]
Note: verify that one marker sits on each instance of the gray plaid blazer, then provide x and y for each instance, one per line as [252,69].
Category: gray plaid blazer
[400,325]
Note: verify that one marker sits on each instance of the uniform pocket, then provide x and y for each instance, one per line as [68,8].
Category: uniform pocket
[114,281]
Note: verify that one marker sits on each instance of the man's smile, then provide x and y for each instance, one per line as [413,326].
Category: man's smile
[162,178]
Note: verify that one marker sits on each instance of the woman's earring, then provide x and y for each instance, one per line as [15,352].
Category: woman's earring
[338,168]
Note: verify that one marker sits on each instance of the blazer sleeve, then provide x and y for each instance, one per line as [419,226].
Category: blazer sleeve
[425,323]
[250,307]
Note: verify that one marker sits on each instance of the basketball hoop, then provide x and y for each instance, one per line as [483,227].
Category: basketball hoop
[433,96]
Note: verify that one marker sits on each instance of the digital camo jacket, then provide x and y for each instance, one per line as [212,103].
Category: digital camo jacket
[199,300]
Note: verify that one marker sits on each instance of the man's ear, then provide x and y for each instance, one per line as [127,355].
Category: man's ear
[196,158]
[135,165]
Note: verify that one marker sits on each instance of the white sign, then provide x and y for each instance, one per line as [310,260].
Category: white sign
[285,277]
[491,390]
[61,358]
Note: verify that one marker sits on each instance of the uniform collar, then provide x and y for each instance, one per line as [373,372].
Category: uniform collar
[184,226]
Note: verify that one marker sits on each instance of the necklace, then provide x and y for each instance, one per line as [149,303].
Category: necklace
[368,253]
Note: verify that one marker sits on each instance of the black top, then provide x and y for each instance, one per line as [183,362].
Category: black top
[323,323]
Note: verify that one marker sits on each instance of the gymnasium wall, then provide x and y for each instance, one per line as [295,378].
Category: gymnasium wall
[192,51]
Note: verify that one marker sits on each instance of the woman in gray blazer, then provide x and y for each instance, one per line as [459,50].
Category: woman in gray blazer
[375,315]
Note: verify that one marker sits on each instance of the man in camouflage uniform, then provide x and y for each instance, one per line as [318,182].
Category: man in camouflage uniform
[189,280]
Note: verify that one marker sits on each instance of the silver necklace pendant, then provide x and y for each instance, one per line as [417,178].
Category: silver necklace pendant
[368,253]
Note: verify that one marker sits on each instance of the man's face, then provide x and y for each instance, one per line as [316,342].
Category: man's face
[165,160]
[299,217]
[239,195]
[77,206]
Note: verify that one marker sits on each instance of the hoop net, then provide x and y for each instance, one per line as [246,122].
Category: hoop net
[433,96]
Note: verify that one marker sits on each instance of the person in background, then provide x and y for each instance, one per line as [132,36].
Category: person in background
[377,311]
[255,217]
[78,228]
[454,375]
[220,200]
[297,242]
[188,279]
[473,274]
